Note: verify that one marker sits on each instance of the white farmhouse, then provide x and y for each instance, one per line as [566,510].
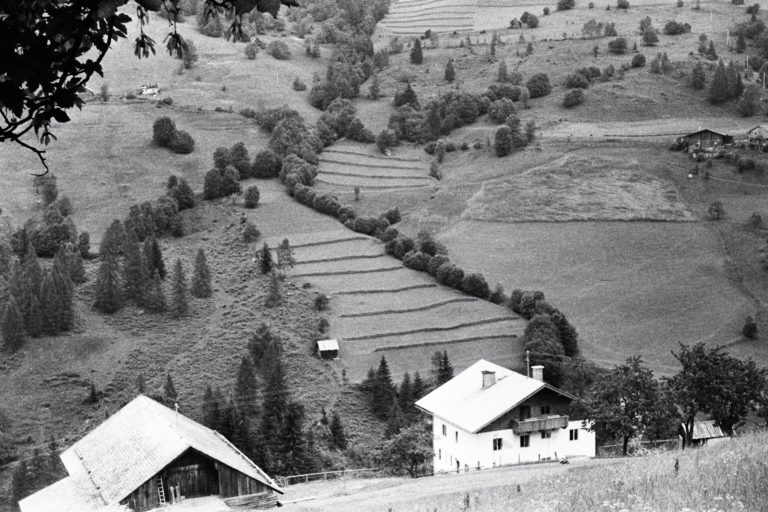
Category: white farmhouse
[490,416]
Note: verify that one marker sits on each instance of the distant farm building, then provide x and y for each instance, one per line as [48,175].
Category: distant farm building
[147,456]
[706,138]
[703,432]
[757,136]
[490,416]
[328,349]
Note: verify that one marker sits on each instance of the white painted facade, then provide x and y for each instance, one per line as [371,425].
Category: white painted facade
[459,449]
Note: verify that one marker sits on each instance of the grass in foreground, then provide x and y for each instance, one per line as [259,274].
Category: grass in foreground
[724,477]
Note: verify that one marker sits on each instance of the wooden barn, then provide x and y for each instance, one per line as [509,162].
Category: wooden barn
[147,456]
[703,432]
[705,139]
[757,136]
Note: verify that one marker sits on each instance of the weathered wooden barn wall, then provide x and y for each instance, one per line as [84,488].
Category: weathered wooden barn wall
[234,483]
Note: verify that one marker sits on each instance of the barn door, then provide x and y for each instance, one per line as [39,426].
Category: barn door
[193,480]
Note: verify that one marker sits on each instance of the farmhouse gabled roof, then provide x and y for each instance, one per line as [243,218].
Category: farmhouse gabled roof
[706,130]
[132,446]
[463,402]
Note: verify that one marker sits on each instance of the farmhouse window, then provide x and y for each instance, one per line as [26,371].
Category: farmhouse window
[525,441]
[445,430]
[497,444]
[574,434]
[545,410]
[525,412]
[546,434]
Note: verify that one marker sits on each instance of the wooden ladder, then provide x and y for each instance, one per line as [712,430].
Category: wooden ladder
[160,491]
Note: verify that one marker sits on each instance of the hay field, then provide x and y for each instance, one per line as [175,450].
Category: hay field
[579,188]
[629,288]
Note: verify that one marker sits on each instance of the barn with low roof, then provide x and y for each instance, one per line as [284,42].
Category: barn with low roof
[147,456]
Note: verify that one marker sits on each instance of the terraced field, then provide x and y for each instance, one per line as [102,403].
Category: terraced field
[379,307]
[346,166]
[416,16]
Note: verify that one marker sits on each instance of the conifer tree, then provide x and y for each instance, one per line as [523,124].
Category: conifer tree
[450,71]
[109,295]
[141,384]
[417,56]
[179,294]
[49,305]
[493,45]
[711,52]
[155,296]
[265,259]
[273,410]
[445,371]
[274,296]
[33,273]
[113,239]
[395,421]
[285,257]
[12,326]
[698,78]
[135,271]
[383,391]
[169,390]
[338,436]
[405,396]
[718,89]
[74,261]
[201,278]
[502,75]
[374,90]
[418,389]
[65,292]
[153,257]
[735,85]
[292,445]
[433,122]
[211,408]
[245,387]
[34,325]
[741,44]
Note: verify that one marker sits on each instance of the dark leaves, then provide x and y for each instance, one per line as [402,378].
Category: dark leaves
[174,43]
[59,115]
[143,45]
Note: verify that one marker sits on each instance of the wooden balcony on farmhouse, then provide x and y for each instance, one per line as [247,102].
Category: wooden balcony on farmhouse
[536,424]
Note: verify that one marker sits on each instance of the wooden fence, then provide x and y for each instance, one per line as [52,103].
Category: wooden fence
[285,481]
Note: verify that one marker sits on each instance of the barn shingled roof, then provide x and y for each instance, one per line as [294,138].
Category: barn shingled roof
[706,430]
[463,402]
[135,444]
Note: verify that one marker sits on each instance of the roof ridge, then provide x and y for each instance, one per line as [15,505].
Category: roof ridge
[269,481]
[90,475]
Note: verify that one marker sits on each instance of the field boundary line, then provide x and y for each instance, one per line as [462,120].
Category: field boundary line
[370,166]
[429,329]
[396,158]
[446,342]
[372,187]
[409,310]
[342,258]
[385,290]
[377,176]
[349,272]
[326,242]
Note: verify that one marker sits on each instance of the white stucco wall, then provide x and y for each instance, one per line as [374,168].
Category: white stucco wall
[475,450]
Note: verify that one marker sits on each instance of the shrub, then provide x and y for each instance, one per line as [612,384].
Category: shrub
[182,143]
[538,85]
[546,11]
[618,46]
[576,81]
[533,21]
[416,260]
[406,97]
[475,285]
[251,50]
[638,60]
[610,30]
[266,164]
[449,274]
[393,215]
[163,131]
[183,195]
[503,141]
[251,197]
[435,262]
[500,91]
[358,132]
[573,98]
[564,5]
[745,164]
[321,302]
[753,9]
[650,38]
[386,139]
[673,28]
[250,233]
[279,50]
[622,4]
[500,110]
[220,183]
[750,328]
[298,85]
[365,225]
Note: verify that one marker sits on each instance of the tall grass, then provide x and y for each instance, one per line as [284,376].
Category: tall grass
[719,478]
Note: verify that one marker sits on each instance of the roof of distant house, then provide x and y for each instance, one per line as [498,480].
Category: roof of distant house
[128,449]
[464,402]
[326,345]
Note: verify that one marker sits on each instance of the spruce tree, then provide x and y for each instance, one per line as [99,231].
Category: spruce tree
[35,322]
[265,259]
[338,436]
[285,257]
[201,277]
[49,305]
[417,56]
[275,295]
[374,91]
[405,395]
[211,406]
[65,292]
[418,389]
[698,78]
[153,257]
[245,387]
[135,271]
[155,296]
[12,326]
[292,445]
[395,421]
[450,71]
[502,75]
[273,410]
[169,390]
[741,44]
[383,391]
[75,264]
[179,294]
[718,89]
[33,273]
[433,123]
[113,239]
[711,52]
[503,141]
[141,384]
[109,296]
[445,372]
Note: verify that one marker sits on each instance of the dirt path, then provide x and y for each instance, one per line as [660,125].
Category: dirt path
[387,493]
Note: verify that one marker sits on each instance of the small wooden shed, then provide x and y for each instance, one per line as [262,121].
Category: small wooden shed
[703,432]
[328,349]
[757,136]
[706,138]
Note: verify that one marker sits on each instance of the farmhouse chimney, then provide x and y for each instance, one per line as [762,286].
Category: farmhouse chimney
[489,378]
[537,372]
